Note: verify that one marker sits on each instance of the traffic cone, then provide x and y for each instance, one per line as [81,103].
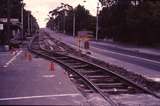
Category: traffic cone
[29,56]
[51,66]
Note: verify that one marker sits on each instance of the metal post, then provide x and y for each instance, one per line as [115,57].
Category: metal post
[74,24]
[97,24]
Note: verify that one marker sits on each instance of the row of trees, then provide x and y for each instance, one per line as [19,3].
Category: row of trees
[62,20]
[10,9]
[131,21]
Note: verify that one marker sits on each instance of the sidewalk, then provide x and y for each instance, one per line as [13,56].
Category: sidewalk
[29,81]
[99,54]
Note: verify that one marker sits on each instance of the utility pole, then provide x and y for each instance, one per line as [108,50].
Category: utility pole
[22,29]
[8,21]
[28,22]
[97,23]
[31,25]
[74,24]
[64,22]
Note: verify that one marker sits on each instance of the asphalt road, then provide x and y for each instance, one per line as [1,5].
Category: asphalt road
[127,52]
[128,58]
[25,81]
[145,60]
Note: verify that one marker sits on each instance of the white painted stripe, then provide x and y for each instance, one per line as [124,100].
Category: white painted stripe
[149,60]
[40,96]
[12,59]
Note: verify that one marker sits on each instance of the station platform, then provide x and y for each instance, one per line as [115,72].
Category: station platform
[31,81]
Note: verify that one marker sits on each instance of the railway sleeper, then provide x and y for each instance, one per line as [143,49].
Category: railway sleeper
[99,77]
[83,86]
[61,58]
[69,60]
[95,73]
[115,91]
[76,63]
[89,71]
[80,66]
[105,80]
[111,85]
[89,91]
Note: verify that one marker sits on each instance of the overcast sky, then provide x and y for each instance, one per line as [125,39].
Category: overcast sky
[40,8]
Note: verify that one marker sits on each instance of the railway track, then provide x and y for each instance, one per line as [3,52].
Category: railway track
[92,78]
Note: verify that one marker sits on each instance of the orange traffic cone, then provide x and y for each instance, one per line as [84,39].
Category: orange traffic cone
[29,56]
[51,66]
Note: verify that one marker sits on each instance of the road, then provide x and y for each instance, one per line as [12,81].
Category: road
[149,63]
[146,60]
[29,81]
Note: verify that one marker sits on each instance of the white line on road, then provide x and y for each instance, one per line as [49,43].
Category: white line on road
[40,96]
[12,59]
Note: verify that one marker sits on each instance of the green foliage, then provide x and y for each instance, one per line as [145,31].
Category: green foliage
[83,20]
[13,9]
[124,21]
[13,6]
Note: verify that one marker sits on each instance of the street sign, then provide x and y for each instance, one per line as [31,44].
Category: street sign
[13,20]
[1,27]
[85,35]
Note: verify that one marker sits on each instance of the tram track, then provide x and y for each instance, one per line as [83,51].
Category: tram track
[91,77]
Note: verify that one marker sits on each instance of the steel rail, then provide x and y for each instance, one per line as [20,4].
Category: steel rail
[106,96]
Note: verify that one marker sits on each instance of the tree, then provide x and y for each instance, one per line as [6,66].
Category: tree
[144,22]
[14,11]
[84,21]
[133,21]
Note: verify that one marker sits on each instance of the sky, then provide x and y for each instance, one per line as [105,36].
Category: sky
[40,8]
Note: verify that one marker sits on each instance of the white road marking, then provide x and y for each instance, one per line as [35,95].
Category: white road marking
[48,76]
[12,59]
[40,96]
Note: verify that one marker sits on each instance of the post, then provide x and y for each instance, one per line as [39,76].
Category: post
[64,24]
[8,21]
[74,24]
[22,36]
[29,22]
[97,24]
[31,25]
